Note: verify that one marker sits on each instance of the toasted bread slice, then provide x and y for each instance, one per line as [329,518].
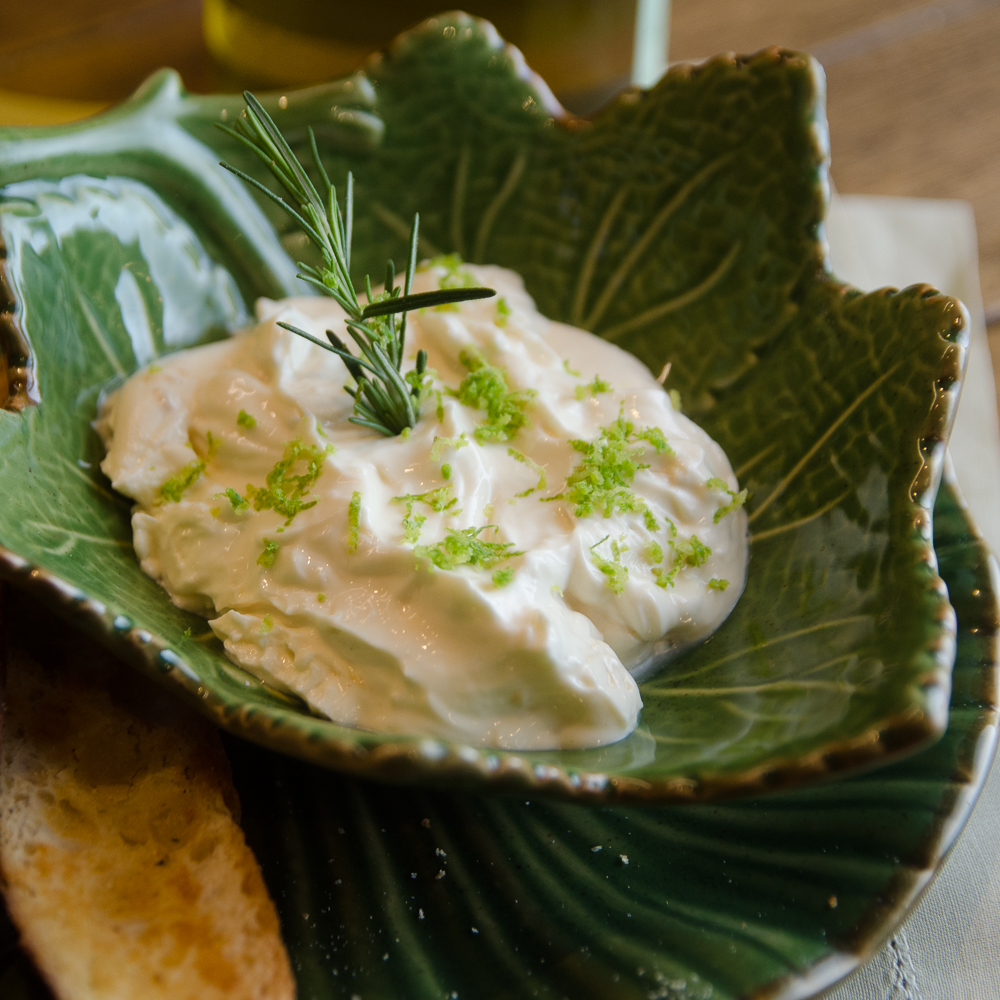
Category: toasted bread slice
[121,859]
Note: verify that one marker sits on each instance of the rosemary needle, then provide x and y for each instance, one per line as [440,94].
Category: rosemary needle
[385,400]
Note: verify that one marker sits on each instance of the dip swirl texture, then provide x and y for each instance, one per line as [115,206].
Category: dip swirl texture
[455,582]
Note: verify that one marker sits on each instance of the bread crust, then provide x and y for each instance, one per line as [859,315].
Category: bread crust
[121,858]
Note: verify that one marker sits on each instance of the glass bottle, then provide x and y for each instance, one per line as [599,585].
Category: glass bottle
[582,48]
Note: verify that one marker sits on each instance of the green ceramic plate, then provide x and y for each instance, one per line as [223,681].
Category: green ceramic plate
[774,897]
[685,224]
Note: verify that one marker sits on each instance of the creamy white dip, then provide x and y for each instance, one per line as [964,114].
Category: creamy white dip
[534,652]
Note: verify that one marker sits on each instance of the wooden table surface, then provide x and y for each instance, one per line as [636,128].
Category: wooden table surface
[913,86]
[913,96]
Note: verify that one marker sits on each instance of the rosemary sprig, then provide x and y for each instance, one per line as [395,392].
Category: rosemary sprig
[384,399]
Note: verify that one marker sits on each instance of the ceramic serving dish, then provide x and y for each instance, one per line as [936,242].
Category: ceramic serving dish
[684,224]
[397,893]
[775,897]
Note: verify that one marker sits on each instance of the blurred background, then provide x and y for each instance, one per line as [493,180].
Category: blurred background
[913,87]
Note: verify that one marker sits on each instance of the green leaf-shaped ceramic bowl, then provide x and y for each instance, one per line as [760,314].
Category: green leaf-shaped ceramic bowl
[770,898]
[401,893]
[684,224]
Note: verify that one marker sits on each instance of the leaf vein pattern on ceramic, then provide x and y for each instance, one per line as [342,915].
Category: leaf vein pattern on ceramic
[408,894]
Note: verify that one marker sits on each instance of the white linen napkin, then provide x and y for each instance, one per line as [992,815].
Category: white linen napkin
[949,946]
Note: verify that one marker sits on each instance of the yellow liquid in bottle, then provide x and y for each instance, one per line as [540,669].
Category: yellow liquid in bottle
[581,48]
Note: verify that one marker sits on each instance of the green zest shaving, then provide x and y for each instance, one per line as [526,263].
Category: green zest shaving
[665,577]
[655,437]
[612,568]
[675,399]
[715,584]
[464,547]
[440,444]
[736,500]
[502,577]
[593,388]
[236,500]
[603,479]
[485,388]
[270,553]
[693,552]
[446,471]
[438,500]
[245,420]
[503,311]
[570,371]
[266,625]
[172,489]
[654,552]
[353,517]
[534,466]
[283,491]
